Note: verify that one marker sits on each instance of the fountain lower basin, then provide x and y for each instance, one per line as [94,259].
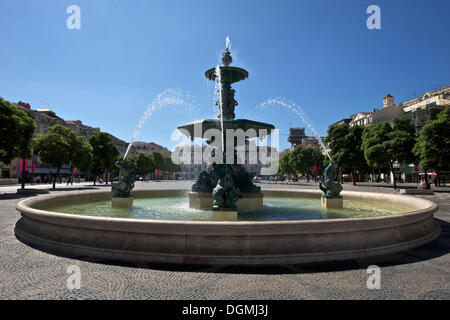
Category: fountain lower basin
[224,243]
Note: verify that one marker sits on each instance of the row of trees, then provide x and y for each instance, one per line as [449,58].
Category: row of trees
[380,145]
[62,147]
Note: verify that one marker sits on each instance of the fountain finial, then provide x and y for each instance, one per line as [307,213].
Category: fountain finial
[226,57]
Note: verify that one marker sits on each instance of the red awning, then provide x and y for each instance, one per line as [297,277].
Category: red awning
[429,173]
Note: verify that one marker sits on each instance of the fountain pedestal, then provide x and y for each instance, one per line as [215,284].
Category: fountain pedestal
[121,190]
[204,201]
[332,203]
[121,202]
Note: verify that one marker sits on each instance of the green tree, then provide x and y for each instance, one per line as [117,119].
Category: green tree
[385,143]
[60,146]
[159,160]
[169,166]
[284,166]
[104,152]
[345,144]
[83,157]
[433,144]
[145,164]
[303,160]
[16,132]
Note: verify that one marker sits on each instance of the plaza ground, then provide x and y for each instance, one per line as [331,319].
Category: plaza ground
[420,273]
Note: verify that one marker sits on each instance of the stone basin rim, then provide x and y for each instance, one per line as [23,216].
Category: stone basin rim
[225,243]
[26,206]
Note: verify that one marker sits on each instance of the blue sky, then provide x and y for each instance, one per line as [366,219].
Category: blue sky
[319,54]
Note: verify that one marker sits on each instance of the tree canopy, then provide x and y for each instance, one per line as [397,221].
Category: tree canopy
[433,144]
[303,160]
[387,142]
[285,168]
[169,166]
[159,160]
[104,151]
[61,146]
[345,144]
[16,132]
[145,163]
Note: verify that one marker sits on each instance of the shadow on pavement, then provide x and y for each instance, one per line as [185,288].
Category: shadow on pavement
[11,196]
[435,249]
[73,189]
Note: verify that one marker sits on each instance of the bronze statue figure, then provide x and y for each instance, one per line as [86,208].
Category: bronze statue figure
[123,187]
[329,187]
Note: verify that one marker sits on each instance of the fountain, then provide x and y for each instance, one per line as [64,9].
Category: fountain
[226,187]
[288,226]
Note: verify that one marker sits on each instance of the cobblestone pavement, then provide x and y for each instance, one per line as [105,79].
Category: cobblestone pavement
[26,273]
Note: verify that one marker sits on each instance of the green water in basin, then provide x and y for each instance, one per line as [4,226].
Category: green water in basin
[275,209]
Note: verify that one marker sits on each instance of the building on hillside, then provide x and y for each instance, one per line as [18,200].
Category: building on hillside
[147,147]
[342,121]
[389,111]
[361,119]
[81,129]
[427,107]
[419,110]
[120,144]
[44,119]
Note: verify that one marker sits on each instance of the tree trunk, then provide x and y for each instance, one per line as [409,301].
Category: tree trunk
[391,164]
[54,178]
[354,177]
[426,178]
[437,181]
[23,174]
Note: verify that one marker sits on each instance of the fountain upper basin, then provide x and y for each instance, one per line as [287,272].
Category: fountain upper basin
[227,74]
[234,124]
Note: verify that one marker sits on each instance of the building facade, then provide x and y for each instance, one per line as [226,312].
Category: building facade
[145,148]
[419,110]
[361,119]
